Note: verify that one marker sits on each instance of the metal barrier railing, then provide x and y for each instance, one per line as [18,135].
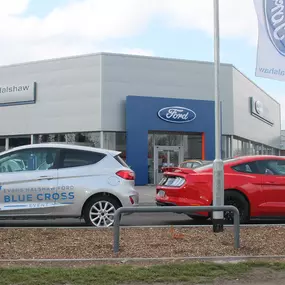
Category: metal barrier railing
[175,209]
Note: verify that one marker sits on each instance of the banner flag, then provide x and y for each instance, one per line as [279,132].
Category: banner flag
[270,61]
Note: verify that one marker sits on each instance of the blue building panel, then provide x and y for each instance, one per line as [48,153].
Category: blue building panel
[145,114]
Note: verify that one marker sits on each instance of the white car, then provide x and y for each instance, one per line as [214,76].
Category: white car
[51,180]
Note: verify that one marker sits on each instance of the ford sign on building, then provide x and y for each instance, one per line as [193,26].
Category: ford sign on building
[177,115]
[158,112]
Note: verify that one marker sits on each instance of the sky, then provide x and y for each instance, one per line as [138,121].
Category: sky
[42,29]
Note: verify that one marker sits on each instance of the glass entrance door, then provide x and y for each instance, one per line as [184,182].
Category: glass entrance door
[165,157]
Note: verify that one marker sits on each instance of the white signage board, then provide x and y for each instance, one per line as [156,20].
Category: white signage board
[11,94]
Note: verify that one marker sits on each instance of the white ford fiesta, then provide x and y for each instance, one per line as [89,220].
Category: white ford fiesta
[53,180]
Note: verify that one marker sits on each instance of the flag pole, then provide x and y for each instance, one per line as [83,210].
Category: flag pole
[218,165]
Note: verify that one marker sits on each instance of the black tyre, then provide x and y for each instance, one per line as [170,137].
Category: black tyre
[237,200]
[100,211]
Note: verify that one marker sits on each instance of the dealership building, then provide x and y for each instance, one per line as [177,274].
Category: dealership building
[157,111]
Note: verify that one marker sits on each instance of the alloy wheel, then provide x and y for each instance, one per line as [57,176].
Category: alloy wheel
[229,216]
[102,214]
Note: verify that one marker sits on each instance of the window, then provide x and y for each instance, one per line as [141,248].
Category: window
[186,165]
[249,167]
[121,161]
[28,160]
[88,139]
[19,141]
[2,145]
[195,164]
[76,158]
[273,167]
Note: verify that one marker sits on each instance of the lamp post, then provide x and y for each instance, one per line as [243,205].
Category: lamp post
[218,165]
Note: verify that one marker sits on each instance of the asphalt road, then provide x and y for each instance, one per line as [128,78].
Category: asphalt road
[131,220]
[147,195]
[145,219]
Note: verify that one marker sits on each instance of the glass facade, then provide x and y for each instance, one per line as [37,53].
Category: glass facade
[190,143]
[19,141]
[88,139]
[116,141]
[2,145]
[235,146]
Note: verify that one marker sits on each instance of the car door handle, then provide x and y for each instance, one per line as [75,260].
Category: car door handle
[45,178]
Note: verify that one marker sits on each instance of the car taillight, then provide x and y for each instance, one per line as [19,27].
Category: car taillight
[126,174]
[171,181]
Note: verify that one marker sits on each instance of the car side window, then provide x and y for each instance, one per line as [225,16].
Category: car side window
[76,158]
[28,160]
[195,164]
[248,167]
[272,167]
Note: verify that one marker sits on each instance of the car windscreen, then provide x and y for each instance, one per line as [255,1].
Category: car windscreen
[210,164]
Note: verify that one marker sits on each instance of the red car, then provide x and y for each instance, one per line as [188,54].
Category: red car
[253,184]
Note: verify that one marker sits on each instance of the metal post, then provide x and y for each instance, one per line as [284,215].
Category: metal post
[7,144]
[218,165]
[117,218]
[236,229]
[102,139]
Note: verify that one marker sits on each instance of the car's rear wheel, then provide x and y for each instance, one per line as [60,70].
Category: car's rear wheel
[100,211]
[237,200]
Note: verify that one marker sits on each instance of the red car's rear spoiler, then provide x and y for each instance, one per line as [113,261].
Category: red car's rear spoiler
[177,169]
[169,169]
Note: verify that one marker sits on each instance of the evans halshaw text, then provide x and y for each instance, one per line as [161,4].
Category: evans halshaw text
[19,88]
[274,71]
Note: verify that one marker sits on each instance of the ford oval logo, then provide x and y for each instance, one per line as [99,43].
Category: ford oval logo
[176,114]
[275,23]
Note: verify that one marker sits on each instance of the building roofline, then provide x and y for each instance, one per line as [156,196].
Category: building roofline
[135,56]
[51,60]
[110,54]
[163,58]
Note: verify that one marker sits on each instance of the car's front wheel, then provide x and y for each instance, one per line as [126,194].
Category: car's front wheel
[237,200]
[100,211]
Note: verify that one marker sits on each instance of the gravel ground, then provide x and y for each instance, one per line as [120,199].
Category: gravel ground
[138,242]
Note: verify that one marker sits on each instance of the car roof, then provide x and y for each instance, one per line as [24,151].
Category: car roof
[259,157]
[64,146]
[239,160]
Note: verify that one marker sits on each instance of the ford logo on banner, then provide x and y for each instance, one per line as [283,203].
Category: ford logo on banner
[176,114]
[275,23]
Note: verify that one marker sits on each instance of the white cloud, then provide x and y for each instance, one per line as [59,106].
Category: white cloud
[13,7]
[79,27]
[82,26]
[237,17]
